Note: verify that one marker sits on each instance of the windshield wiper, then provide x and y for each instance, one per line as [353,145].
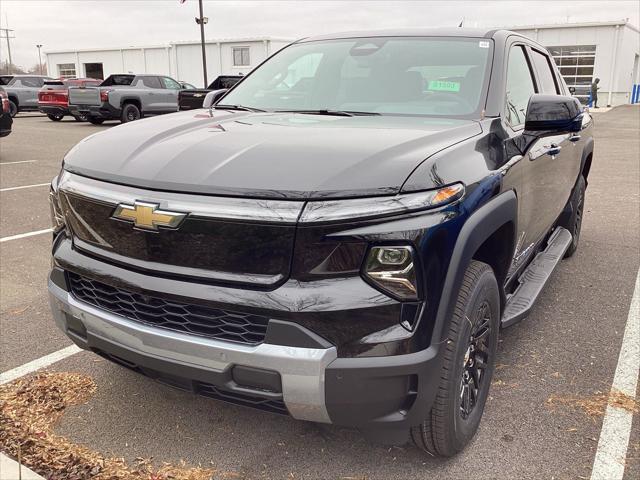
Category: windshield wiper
[237,107]
[337,113]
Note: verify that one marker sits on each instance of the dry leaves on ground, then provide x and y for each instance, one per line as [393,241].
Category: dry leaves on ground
[595,405]
[29,409]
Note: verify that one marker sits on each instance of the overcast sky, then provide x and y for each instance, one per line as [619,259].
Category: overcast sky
[117,23]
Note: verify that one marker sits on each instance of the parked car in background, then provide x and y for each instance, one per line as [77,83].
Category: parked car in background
[193,98]
[53,97]
[341,238]
[5,114]
[125,97]
[23,92]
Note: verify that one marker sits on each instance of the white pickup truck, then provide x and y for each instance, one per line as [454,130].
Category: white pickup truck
[125,97]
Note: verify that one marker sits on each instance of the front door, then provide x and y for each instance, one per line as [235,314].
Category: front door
[542,194]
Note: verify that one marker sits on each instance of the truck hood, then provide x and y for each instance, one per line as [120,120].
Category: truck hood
[266,155]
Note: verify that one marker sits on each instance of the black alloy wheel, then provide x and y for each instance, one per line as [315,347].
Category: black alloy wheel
[574,222]
[476,359]
[130,113]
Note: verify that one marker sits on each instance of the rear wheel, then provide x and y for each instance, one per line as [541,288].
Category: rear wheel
[574,221]
[56,117]
[469,358]
[96,121]
[130,113]
[13,108]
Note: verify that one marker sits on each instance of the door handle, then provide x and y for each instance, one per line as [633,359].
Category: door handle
[554,149]
[575,138]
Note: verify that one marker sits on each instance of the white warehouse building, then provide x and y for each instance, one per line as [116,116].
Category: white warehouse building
[609,51]
[583,51]
[179,60]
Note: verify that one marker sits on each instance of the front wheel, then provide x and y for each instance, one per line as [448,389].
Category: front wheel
[468,364]
[55,117]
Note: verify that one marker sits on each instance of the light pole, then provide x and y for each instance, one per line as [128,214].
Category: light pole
[39,59]
[202,20]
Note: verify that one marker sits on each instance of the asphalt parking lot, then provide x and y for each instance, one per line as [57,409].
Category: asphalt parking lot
[550,366]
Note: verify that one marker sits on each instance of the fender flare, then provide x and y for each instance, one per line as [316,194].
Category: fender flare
[479,226]
[128,98]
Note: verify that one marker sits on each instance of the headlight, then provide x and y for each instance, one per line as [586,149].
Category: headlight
[391,269]
[57,218]
[334,210]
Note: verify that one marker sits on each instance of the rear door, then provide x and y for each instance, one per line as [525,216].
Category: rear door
[172,89]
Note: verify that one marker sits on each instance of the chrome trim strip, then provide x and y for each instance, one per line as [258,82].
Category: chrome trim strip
[245,209]
[302,370]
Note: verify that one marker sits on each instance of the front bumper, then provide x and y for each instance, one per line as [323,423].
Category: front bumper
[382,396]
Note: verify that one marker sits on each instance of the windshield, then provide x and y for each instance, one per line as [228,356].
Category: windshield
[385,75]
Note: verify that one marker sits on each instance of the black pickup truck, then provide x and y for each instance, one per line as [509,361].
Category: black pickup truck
[189,99]
[340,238]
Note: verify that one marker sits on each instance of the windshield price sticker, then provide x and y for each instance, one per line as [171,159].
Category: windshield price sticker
[442,86]
[483,44]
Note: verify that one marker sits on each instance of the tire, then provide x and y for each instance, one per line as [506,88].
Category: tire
[55,117]
[452,423]
[574,221]
[95,121]
[130,113]
[80,118]
[13,108]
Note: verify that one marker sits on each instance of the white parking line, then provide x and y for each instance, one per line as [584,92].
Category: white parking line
[616,427]
[24,186]
[21,161]
[38,363]
[24,235]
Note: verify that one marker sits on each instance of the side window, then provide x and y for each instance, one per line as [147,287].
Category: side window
[170,83]
[33,82]
[520,87]
[151,82]
[545,74]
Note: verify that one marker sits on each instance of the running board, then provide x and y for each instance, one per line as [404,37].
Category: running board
[535,277]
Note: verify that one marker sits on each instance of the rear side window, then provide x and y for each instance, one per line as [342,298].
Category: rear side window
[151,82]
[33,82]
[520,87]
[117,80]
[545,74]
[170,83]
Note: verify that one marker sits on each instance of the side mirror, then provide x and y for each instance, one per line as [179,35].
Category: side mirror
[553,114]
[213,96]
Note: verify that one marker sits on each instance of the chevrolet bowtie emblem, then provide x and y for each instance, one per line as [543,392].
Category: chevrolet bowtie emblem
[148,216]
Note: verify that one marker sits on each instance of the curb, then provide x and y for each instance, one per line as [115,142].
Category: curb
[12,470]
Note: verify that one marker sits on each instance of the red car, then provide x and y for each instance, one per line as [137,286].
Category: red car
[53,97]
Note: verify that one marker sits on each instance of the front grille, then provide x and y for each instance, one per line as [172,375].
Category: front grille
[182,317]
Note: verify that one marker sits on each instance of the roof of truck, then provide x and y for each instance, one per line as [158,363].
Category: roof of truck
[412,32]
